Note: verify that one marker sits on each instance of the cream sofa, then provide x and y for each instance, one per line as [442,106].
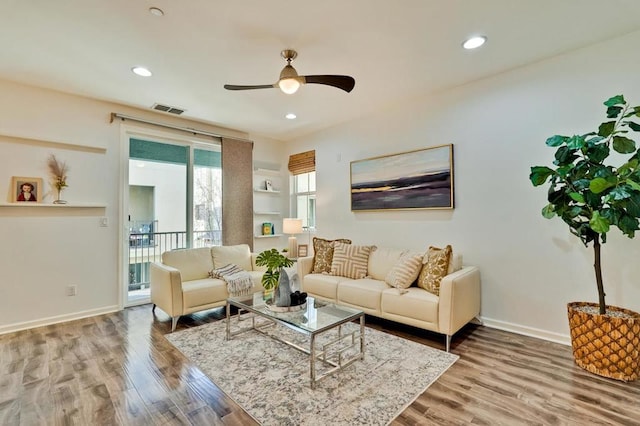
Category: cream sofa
[457,304]
[180,284]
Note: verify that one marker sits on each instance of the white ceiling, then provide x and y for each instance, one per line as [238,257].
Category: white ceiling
[396,50]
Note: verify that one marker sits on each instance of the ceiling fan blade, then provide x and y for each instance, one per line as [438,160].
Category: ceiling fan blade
[343,82]
[261,86]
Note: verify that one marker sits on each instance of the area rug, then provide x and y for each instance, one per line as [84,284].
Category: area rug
[270,380]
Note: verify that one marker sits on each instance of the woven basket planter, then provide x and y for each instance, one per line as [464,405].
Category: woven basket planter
[606,345]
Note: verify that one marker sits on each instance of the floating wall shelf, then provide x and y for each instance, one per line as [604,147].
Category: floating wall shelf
[55,206]
[51,144]
[268,192]
[267,172]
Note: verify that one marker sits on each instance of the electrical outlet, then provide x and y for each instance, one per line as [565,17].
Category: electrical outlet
[104,222]
[72,290]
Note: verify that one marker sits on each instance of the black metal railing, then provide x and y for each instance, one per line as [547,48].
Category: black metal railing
[147,247]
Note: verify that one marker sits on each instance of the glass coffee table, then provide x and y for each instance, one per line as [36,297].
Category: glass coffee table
[316,318]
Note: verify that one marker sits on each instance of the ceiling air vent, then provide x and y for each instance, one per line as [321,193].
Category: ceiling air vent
[167,108]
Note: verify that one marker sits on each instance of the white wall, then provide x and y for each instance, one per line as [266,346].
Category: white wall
[531,267]
[43,250]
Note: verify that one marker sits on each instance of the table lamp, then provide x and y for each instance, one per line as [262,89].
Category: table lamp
[292,226]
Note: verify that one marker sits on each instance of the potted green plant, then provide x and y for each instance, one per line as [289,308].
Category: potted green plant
[273,260]
[591,196]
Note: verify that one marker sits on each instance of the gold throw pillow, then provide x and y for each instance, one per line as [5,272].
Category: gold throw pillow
[323,254]
[436,264]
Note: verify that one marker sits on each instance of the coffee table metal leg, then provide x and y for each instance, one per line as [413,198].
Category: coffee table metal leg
[362,336]
[228,321]
[312,360]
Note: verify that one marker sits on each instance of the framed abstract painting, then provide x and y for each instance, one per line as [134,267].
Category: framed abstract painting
[420,179]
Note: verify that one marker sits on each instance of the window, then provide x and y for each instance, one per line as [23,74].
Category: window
[304,199]
[303,202]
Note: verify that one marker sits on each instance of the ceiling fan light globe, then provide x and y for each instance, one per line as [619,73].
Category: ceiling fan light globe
[289,85]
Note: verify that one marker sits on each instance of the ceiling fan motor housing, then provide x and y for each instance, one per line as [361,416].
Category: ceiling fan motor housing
[288,72]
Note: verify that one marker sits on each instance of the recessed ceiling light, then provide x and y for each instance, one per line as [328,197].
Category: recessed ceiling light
[474,42]
[141,71]
[156,11]
[291,116]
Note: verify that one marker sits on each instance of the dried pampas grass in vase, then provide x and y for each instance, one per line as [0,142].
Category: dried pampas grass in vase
[58,171]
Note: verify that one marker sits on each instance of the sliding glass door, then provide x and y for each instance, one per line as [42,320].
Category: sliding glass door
[174,202]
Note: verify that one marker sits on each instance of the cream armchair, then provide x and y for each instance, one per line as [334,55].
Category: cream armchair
[180,284]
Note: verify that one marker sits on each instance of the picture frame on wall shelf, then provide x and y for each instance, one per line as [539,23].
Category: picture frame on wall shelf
[26,189]
[419,179]
[268,185]
[303,250]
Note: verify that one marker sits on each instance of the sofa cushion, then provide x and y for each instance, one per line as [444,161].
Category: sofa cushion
[256,277]
[382,260]
[238,255]
[405,271]
[364,293]
[323,254]
[193,264]
[415,303]
[321,285]
[203,292]
[350,260]
[436,266]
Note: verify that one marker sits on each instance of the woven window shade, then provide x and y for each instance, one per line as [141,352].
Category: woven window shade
[304,162]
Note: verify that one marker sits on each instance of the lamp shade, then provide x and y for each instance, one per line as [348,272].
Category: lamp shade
[292,226]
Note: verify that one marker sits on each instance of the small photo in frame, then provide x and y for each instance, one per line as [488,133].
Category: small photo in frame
[303,250]
[268,185]
[26,189]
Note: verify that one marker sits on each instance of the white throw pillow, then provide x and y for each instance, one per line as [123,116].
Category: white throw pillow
[405,272]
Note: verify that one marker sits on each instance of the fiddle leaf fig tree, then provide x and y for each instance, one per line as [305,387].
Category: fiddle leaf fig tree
[273,260]
[588,193]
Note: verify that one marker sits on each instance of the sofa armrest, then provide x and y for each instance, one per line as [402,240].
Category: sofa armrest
[305,265]
[459,299]
[166,288]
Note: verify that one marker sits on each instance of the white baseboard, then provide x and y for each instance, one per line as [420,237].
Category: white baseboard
[563,339]
[10,328]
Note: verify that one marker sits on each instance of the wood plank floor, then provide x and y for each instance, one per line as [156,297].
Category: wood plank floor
[118,369]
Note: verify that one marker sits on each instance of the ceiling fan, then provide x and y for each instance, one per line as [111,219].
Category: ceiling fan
[290,81]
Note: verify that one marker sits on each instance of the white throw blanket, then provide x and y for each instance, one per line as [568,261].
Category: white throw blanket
[238,281]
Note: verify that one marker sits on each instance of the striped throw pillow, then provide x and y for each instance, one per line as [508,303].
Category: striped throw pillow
[350,260]
[405,272]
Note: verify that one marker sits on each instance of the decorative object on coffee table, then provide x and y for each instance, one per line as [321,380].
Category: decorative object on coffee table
[283,290]
[591,197]
[286,293]
[273,260]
